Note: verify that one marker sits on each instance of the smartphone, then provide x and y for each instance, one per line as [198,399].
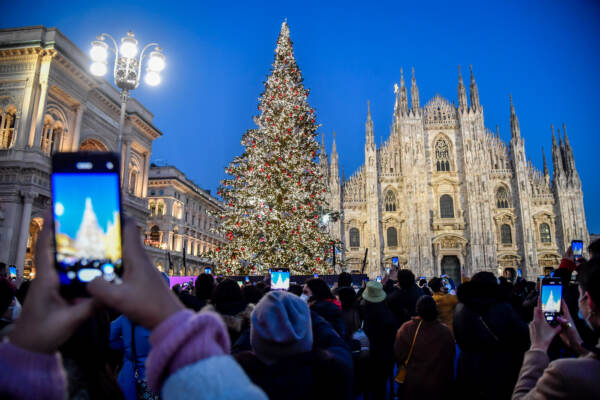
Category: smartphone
[280,279]
[379,279]
[247,279]
[240,283]
[577,247]
[12,271]
[387,270]
[86,203]
[551,298]
[395,261]
[519,273]
[366,279]
[208,270]
[315,275]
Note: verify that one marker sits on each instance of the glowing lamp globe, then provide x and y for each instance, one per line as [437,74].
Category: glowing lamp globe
[128,46]
[99,51]
[156,61]
[152,78]
[98,68]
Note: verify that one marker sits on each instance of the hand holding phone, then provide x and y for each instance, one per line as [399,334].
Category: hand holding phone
[551,295]
[577,248]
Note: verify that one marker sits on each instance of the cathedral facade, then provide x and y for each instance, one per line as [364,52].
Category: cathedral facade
[445,195]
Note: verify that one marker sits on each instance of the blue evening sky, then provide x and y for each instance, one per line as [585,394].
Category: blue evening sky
[68,190]
[546,53]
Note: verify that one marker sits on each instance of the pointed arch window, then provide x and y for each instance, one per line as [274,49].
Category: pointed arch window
[390,201]
[505,234]
[446,206]
[392,237]
[502,198]
[354,237]
[442,155]
[545,235]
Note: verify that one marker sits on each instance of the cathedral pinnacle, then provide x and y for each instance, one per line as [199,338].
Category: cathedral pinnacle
[333,146]
[403,101]
[474,92]
[546,173]
[514,121]
[462,92]
[369,127]
[414,93]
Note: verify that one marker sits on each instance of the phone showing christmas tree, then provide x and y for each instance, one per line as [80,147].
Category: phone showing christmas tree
[551,299]
[86,202]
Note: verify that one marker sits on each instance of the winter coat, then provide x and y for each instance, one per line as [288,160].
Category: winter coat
[446,303]
[236,318]
[403,302]
[430,370]
[567,378]
[332,313]
[120,339]
[325,372]
[492,339]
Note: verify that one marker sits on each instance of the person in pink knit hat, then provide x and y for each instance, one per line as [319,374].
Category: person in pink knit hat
[190,351]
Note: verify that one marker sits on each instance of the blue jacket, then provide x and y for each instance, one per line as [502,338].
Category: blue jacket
[120,339]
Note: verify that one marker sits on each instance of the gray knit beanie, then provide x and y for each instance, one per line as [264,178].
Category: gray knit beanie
[281,327]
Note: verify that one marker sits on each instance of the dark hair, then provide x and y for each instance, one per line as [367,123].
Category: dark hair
[564,274]
[295,289]
[7,293]
[589,278]
[251,294]
[426,308]
[320,290]
[262,287]
[226,291]
[205,284]
[435,284]
[347,297]
[406,278]
[344,279]
[594,248]
[3,272]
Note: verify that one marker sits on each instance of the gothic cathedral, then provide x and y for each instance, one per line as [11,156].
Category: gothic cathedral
[445,195]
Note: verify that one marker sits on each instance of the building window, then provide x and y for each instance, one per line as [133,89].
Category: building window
[152,206]
[133,178]
[354,237]
[161,192]
[51,133]
[442,155]
[161,208]
[7,128]
[505,234]
[392,237]
[545,236]
[155,234]
[152,192]
[390,201]
[446,206]
[502,198]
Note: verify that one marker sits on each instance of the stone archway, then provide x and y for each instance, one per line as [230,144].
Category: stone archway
[450,265]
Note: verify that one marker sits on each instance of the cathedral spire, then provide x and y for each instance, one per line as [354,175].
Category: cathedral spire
[334,169]
[333,146]
[514,121]
[546,173]
[474,92]
[462,92]
[403,94]
[569,159]
[557,164]
[370,140]
[498,131]
[414,93]
[323,160]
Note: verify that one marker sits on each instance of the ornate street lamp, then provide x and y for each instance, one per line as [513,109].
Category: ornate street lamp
[127,68]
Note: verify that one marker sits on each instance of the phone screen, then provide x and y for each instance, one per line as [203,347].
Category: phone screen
[577,247]
[551,298]
[395,261]
[280,279]
[12,272]
[378,279]
[207,270]
[240,283]
[315,275]
[247,279]
[87,219]
[387,270]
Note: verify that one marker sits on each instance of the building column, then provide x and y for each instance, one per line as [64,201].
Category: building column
[146,176]
[24,230]
[35,139]
[77,131]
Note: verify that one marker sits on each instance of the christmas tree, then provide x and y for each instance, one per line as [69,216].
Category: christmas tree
[275,196]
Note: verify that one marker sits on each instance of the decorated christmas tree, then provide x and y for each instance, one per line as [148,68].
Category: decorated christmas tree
[274,197]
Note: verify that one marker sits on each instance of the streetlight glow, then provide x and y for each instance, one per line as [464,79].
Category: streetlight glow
[129,46]
[152,78]
[99,51]
[98,68]
[156,61]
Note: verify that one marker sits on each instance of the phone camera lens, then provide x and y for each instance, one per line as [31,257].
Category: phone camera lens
[109,165]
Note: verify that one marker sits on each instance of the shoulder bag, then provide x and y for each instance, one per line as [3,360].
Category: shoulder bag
[401,375]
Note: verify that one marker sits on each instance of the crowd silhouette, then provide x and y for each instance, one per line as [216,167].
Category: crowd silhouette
[483,338]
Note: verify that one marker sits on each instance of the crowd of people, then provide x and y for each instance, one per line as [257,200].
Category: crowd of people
[483,338]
